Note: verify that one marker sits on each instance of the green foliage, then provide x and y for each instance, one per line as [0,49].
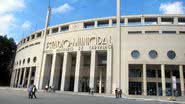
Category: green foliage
[7,55]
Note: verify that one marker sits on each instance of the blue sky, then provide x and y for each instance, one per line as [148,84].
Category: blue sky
[19,18]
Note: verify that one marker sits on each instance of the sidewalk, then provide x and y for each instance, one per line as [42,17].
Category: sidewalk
[179,100]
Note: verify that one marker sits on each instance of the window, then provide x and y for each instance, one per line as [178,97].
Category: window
[150,21]
[122,23]
[39,34]
[64,28]
[135,88]
[37,43]
[104,23]
[135,73]
[153,54]
[28,38]
[20,62]
[167,20]
[181,32]
[89,25]
[171,54]
[152,32]
[23,61]
[47,33]
[24,40]
[28,61]
[34,59]
[87,59]
[102,60]
[134,21]
[181,20]
[151,73]
[134,32]
[114,22]
[169,32]
[55,30]
[33,36]
[135,54]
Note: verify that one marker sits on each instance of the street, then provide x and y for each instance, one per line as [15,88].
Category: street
[20,97]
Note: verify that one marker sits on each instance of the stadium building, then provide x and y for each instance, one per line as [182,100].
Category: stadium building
[84,54]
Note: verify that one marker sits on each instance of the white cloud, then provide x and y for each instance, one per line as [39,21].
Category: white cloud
[26,25]
[7,6]
[7,10]
[6,22]
[63,8]
[172,8]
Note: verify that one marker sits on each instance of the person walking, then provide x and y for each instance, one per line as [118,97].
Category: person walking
[92,91]
[120,93]
[46,88]
[34,90]
[30,96]
[116,92]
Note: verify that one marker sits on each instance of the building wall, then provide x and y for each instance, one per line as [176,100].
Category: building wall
[143,42]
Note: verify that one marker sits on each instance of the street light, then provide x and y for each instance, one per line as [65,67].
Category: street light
[119,40]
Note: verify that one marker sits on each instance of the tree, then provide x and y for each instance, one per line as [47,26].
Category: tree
[7,56]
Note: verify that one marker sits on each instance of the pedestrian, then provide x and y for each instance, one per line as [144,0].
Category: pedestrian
[50,89]
[116,92]
[34,90]
[120,93]
[46,88]
[30,92]
[89,90]
[53,88]
[92,91]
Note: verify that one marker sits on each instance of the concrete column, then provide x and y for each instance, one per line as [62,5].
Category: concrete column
[15,81]
[12,78]
[144,80]
[126,21]
[65,61]
[59,29]
[19,80]
[175,20]
[17,77]
[29,77]
[157,88]
[92,68]
[142,20]
[100,82]
[42,84]
[159,20]
[109,72]
[142,23]
[95,24]
[77,71]
[181,79]
[24,77]
[50,31]
[42,33]
[53,70]
[156,75]
[110,22]
[163,80]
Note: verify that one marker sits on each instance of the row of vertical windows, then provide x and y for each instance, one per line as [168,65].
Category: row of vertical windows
[26,60]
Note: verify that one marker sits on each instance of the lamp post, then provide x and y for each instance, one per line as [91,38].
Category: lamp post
[44,41]
[119,40]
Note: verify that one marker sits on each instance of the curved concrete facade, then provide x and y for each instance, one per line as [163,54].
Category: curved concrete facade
[83,54]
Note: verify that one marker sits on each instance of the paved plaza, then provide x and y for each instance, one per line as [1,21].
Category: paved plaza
[8,96]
